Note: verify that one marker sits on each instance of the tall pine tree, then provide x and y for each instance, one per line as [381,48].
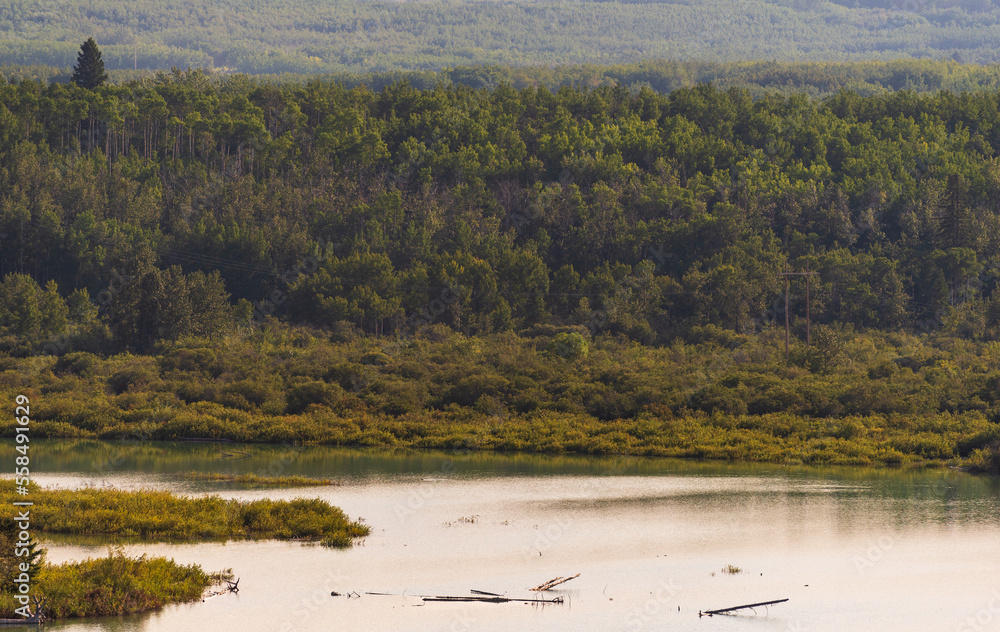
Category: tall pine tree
[89,70]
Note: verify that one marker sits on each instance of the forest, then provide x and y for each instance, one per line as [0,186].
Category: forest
[585,269]
[161,209]
[314,36]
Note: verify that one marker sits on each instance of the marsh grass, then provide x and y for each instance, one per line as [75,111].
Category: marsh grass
[163,516]
[256,480]
[115,585]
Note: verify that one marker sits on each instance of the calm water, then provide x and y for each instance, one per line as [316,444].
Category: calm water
[852,549]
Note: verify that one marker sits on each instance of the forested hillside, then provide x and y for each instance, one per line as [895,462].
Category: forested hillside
[182,207]
[592,270]
[311,36]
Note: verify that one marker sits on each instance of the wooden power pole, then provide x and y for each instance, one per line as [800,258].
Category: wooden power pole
[806,274]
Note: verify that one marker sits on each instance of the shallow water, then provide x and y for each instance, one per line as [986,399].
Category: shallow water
[851,548]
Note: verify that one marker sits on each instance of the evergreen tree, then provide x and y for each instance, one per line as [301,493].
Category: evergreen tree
[89,70]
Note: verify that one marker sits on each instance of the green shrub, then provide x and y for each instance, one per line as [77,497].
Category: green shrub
[304,394]
[571,346]
[116,585]
[132,377]
[986,459]
[78,363]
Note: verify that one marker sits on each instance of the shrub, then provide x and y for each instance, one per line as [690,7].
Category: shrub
[78,363]
[132,377]
[986,459]
[571,346]
[302,395]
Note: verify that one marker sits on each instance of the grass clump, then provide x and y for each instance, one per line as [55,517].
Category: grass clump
[114,585]
[257,480]
[164,516]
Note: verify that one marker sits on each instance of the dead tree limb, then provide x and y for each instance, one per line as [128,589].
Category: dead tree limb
[552,583]
[750,605]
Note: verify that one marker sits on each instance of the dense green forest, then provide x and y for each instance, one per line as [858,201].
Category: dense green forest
[162,209]
[587,269]
[311,36]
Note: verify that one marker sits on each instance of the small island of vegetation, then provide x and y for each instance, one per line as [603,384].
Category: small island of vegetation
[251,480]
[112,585]
[119,584]
[151,515]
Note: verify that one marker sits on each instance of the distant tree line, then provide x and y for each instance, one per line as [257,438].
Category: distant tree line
[314,36]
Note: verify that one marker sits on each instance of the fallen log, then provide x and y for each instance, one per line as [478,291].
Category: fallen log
[552,583]
[497,599]
[750,605]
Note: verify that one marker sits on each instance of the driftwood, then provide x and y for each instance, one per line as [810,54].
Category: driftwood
[552,583]
[480,596]
[495,599]
[35,619]
[232,587]
[750,605]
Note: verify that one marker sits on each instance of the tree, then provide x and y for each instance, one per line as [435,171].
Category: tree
[89,70]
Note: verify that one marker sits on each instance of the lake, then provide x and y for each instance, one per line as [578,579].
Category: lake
[850,548]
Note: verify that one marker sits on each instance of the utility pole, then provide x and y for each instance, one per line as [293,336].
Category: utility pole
[786,310]
[808,329]
[806,274]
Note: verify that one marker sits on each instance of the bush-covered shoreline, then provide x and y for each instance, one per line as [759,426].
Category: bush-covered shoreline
[859,399]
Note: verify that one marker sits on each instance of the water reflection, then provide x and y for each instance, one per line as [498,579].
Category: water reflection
[852,548]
